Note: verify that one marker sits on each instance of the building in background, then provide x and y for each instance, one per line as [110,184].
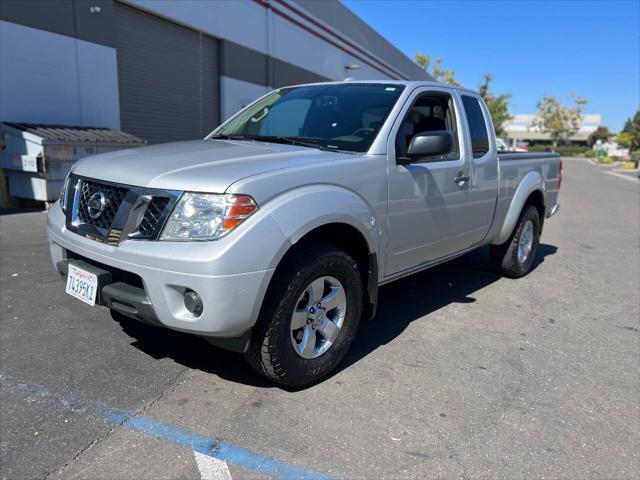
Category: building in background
[519,129]
[168,70]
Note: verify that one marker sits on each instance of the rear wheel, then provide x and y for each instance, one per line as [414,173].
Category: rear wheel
[514,258]
[309,317]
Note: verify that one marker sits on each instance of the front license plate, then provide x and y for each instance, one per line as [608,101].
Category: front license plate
[82,284]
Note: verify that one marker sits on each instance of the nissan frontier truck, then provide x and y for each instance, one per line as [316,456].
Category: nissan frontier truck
[271,236]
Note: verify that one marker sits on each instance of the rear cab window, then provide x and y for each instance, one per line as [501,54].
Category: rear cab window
[477,126]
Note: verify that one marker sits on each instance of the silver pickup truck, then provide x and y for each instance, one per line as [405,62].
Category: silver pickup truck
[272,235]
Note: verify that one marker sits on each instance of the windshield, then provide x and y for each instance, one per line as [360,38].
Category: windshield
[340,117]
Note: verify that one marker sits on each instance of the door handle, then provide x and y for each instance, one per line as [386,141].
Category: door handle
[461,178]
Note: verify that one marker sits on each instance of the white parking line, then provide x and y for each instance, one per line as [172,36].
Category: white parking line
[211,468]
[623,176]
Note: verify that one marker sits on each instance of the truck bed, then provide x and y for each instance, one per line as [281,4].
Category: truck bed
[518,170]
[527,155]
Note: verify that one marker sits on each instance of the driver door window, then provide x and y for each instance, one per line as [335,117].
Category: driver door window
[430,112]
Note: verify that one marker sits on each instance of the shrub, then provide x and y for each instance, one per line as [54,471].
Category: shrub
[629,165]
[564,150]
[541,147]
[605,160]
[635,157]
[572,150]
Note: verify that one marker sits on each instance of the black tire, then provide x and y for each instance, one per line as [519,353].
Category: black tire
[271,351]
[504,258]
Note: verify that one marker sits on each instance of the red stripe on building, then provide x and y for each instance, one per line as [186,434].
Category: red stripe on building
[340,37]
[322,37]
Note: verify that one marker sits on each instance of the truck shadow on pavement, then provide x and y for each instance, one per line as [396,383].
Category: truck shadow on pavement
[400,303]
[414,297]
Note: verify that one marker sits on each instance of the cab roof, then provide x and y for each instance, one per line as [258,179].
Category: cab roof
[406,83]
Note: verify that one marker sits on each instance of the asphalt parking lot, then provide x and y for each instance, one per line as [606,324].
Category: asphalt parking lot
[461,374]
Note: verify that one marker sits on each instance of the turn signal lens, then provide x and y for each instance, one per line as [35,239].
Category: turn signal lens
[241,207]
[241,210]
[231,223]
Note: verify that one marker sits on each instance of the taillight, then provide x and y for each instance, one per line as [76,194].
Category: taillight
[560,174]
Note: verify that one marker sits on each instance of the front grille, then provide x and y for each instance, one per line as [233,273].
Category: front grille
[121,212]
[113,198]
[153,217]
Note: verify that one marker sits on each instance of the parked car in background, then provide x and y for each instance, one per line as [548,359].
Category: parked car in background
[522,146]
[272,235]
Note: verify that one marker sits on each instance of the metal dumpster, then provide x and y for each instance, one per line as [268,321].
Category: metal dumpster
[36,158]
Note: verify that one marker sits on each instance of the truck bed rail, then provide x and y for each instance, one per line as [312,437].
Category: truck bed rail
[527,155]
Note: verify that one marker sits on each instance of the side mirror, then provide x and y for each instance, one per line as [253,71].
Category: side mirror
[429,144]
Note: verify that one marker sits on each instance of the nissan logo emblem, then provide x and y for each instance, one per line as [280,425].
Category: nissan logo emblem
[96,204]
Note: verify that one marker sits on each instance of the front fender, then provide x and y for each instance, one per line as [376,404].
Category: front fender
[299,211]
[531,182]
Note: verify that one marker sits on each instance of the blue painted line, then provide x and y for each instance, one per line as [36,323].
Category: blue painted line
[240,457]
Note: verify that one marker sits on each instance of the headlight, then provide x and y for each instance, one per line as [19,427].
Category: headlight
[207,216]
[63,193]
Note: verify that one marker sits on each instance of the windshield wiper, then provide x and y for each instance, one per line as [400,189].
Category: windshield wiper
[225,136]
[309,143]
[290,140]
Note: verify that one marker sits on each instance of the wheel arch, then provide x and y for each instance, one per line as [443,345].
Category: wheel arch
[350,239]
[530,191]
[536,198]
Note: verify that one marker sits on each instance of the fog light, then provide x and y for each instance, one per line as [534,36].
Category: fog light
[193,303]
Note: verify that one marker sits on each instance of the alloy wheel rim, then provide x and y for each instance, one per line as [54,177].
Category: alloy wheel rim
[525,244]
[318,317]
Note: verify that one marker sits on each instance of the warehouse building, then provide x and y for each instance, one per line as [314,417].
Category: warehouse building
[168,70]
[520,128]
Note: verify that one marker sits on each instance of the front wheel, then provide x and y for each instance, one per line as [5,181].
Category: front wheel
[309,317]
[514,258]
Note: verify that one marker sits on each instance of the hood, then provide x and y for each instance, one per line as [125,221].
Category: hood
[198,165]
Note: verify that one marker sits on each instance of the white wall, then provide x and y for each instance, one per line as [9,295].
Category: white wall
[240,21]
[251,25]
[236,94]
[50,78]
[292,44]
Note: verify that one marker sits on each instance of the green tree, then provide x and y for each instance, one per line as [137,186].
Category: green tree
[630,135]
[437,72]
[498,105]
[600,133]
[558,120]
[624,139]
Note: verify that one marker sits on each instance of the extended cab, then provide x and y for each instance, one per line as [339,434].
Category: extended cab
[272,235]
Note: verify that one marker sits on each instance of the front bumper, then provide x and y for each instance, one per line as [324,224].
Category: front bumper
[231,301]
[124,297]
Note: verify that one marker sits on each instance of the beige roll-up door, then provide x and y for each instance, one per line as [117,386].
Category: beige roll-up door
[168,78]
